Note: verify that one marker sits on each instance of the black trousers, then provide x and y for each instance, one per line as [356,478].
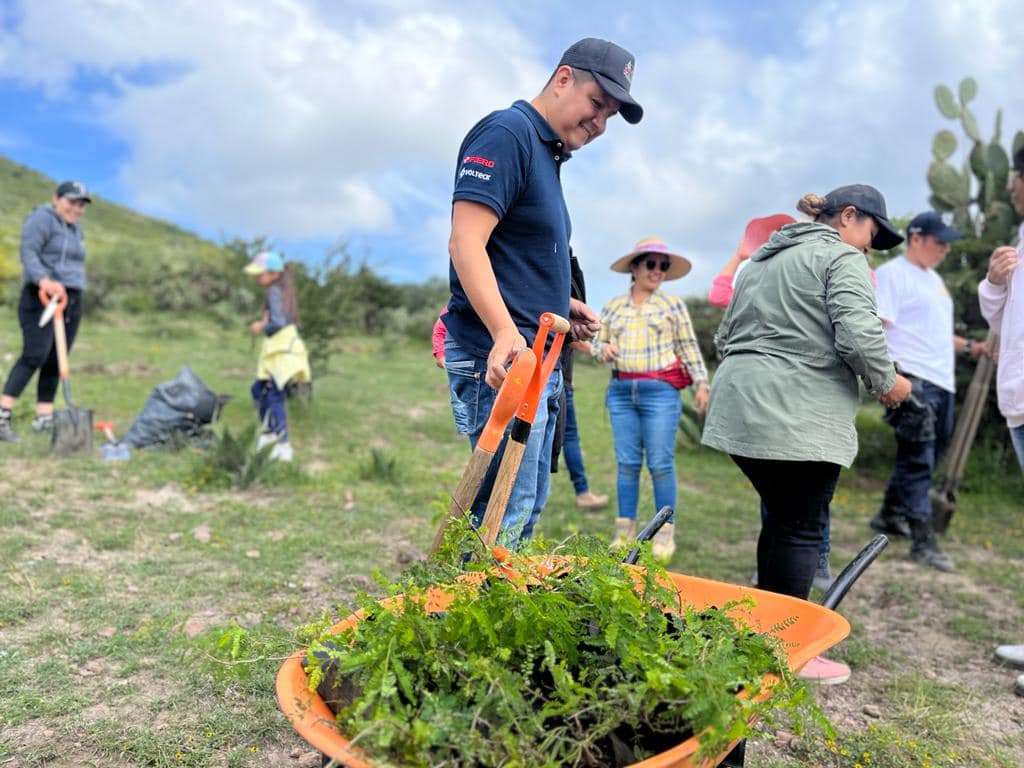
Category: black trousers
[796,497]
[39,353]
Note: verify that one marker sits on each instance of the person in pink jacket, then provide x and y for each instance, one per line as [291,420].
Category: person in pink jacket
[1001,295]
[437,338]
[755,235]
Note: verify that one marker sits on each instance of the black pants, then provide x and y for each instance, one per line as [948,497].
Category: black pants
[39,352]
[796,497]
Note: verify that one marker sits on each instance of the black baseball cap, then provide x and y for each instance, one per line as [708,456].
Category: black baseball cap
[73,190]
[931,223]
[869,200]
[612,67]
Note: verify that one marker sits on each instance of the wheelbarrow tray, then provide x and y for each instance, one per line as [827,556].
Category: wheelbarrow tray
[805,630]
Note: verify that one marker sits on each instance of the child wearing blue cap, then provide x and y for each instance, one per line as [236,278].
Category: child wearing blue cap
[283,357]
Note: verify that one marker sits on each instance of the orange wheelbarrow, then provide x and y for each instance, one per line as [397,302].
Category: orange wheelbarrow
[806,630]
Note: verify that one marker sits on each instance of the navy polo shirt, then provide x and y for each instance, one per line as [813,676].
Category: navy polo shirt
[510,162]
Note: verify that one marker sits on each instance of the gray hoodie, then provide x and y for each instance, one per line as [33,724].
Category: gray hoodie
[800,329]
[50,247]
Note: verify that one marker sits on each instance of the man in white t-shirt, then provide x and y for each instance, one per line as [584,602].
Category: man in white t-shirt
[917,312]
[1001,295]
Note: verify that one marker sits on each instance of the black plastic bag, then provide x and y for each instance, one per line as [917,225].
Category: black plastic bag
[176,410]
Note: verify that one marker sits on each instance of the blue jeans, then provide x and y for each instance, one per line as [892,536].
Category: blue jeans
[907,491]
[644,415]
[1017,438]
[571,447]
[472,399]
[269,402]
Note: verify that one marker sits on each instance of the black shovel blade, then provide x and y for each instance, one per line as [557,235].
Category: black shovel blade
[72,432]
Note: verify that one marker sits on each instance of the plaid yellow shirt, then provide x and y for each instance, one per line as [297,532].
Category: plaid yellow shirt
[650,337]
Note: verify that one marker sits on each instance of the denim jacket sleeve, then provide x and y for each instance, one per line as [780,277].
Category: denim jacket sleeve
[859,338]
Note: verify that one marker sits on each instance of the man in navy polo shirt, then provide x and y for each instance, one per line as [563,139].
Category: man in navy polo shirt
[509,250]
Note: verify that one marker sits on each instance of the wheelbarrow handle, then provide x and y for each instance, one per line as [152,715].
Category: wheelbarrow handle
[852,572]
[648,533]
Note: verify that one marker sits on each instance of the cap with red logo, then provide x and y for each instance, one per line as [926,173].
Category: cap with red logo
[612,67]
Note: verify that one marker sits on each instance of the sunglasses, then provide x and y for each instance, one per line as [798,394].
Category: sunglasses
[653,264]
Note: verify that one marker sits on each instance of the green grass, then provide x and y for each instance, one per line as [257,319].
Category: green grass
[101,574]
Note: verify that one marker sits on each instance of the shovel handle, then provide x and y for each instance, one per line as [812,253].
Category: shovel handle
[502,489]
[505,404]
[61,340]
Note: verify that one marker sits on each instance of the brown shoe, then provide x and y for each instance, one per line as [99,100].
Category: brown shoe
[663,545]
[625,531]
[588,500]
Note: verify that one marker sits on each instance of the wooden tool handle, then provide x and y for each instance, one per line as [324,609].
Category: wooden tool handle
[61,341]
[558,323]
[465,493]
[506,478]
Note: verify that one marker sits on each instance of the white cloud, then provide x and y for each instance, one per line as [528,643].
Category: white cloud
[272,121]
[321,120]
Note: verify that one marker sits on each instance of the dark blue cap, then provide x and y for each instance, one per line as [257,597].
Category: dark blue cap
[612,66]
[931,223]
[73,190]
[869,200]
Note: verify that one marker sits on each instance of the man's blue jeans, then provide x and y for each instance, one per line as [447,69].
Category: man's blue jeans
[571,447]
[907,491]
[644,416]
[472,399]
[1017,438]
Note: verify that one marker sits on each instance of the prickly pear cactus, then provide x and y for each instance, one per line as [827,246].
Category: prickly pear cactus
[985,211]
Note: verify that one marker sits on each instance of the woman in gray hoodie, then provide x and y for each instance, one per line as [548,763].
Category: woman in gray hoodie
[53,264]
[801,328]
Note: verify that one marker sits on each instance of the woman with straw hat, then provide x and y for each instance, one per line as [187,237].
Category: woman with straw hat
[647,337]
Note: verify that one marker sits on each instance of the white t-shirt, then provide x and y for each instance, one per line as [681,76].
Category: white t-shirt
[918,314]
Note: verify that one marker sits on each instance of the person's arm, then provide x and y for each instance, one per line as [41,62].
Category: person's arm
[993,290]
[859,338]
[472,224]
[34,234]
[722,286]
[687,349]
[602,348]
[275,318]
[584,321]
[722,291]
[970,347]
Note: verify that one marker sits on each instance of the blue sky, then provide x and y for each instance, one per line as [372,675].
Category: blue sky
[318,122]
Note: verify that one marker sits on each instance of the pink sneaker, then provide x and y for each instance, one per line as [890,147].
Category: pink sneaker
[821,670]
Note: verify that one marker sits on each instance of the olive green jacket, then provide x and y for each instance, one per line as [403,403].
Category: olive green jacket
[801,327]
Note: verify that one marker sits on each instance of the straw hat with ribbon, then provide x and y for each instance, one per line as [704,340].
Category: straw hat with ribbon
[678,265]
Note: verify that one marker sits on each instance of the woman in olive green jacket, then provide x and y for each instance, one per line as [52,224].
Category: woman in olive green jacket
[802,326]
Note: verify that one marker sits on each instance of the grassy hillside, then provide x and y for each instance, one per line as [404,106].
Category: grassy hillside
[114,578]
[129,254]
